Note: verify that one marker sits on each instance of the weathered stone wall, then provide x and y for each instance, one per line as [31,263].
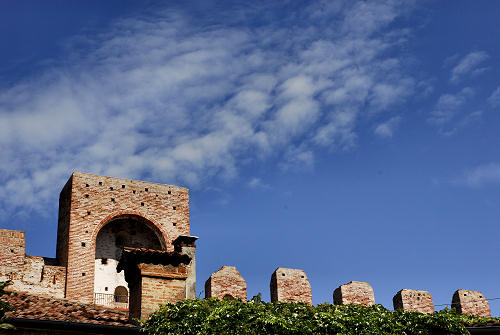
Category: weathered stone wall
[94,201]
[191,268]
[227,283]
[354,292]
[290,285]
[413,301]
[36,276]
[471,302]
[11,248]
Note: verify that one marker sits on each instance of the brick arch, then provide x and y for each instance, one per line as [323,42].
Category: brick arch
[150,223]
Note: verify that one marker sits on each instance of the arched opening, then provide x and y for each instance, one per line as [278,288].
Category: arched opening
[228,297]
[123,231]
[121,294]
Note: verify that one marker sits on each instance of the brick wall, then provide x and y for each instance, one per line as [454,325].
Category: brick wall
[154,284]
[413,301]
[63,223]
[11,248]
[156,291]
[35,276]
[290,285]
[227,283]
[95,201]
[471,302]
[354,292]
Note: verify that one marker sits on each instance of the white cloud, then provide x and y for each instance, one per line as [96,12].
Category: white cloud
[160,97]
[469,65]
[257,183]
[448,105]
[494,99]
[483,175]
[386,129]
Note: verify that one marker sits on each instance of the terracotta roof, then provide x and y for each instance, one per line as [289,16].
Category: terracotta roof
[26,306]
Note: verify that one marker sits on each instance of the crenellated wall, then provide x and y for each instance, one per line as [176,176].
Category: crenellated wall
[292,285]
[31,274]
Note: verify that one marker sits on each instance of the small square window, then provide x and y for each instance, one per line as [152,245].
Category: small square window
[174,224]
[142,204]
[169,192]
[83,274]
[123,186]
[106,288]
[112,199]
[104,261]
[146,189]
[175,208]
[88,212]
[283,274]
[133,191]
[83,244]
[86,185]
[111,188]
[86,195]
[100,183]
[12,250]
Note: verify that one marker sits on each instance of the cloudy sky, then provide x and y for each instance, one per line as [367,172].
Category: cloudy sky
[353,140]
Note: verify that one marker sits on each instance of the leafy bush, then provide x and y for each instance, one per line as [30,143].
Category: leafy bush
[212,316]
[4,307]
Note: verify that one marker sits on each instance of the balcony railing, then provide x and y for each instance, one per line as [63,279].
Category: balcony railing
[111,300]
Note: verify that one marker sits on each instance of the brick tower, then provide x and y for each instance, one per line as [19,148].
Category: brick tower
[100,215]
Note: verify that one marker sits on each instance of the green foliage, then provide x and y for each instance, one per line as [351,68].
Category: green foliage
[212,316]
[4,307]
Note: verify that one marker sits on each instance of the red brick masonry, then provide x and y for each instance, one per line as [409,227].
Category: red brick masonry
[290,285]
[413,301]
[354,292]
[227,283]
[471,302]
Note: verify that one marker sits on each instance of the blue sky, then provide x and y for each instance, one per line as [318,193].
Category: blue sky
[353,140]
